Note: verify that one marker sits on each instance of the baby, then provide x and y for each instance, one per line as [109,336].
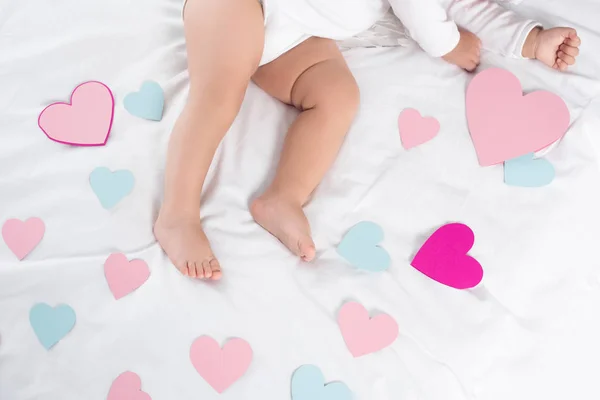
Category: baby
[287,48]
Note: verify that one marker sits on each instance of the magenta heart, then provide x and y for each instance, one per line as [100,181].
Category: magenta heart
[504,124]
[364,335]
[415,129]
[220,367]
[127,386]
[84,121]
[22,237]
[124,276]
[444,257]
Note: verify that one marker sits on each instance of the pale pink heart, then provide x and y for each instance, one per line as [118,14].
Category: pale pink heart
[220,367]
[124,276]
[127,386]
[364,335]
[22,237]
[443,257]
[504,124]
[84,121]
[415,129]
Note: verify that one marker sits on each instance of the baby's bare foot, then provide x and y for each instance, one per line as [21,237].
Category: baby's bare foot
[187,247]
[286,221]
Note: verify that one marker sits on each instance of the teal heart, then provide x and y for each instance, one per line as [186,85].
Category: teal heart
[359,247]
[525,171]
[308,383]
[147,103]
[110,187]
[51,324]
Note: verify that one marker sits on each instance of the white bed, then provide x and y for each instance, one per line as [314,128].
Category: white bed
[529,331]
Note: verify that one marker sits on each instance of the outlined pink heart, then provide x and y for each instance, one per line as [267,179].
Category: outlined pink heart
[127,386]
[444,257]
[84,121]
[220,367]
[124,276]
[364,335]
[415,129]
[22,237]
[504,124]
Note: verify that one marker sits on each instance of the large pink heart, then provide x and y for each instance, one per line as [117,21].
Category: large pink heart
[220,367]
[444,257]
[84,121]
[127,386]
[504,124]
[22,237]
[364,335]
[415,129]
[124,276]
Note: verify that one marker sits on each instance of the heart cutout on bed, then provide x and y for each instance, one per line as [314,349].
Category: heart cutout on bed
[415,129]
[504,124]
[220,368]
[359,247]
[526,171]
[51,324]
[147,103]
[308,383]
[22,237]
[127,386]
[364,335]
[111,187]
[124,276]
[444,257]
[85,121]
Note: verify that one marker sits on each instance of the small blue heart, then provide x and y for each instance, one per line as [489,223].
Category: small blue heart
[147,103]
[359,247]
[111,187]
[526,171]
[308,383]
[51,324]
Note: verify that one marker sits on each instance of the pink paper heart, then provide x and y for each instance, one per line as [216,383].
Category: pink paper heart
[124,276]
[22,237]
[415,129]
[364,335]
[220,367]
[84,121]
[504,124]
[127,386]
[444,257]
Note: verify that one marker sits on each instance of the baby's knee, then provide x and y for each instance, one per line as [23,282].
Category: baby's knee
[341,98]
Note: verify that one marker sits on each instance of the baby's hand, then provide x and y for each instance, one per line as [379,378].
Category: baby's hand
[467,51]
[556,47]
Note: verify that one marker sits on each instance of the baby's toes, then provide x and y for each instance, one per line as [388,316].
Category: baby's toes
[215,269]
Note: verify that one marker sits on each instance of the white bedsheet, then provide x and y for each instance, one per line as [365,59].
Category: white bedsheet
[529,331]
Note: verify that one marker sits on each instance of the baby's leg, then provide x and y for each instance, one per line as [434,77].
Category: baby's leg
[315,79]
[224,41]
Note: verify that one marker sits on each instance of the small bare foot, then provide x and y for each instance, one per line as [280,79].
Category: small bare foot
[286,221]
[186,245]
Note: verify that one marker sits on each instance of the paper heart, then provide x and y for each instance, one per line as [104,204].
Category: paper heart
[359,247]
[127,386]
[415,129]
[111,187]
[147,103]
[444,257]
[364,335]
[308,383]
[22,237]
[85,121]
[124,276]
[220,368]
[526,171]
[504,124]
[51,324]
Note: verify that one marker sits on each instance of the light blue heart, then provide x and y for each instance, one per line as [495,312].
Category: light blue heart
[51,324]
[308,383]
[359,247]
[147,103]
[110,187]
[525,171]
